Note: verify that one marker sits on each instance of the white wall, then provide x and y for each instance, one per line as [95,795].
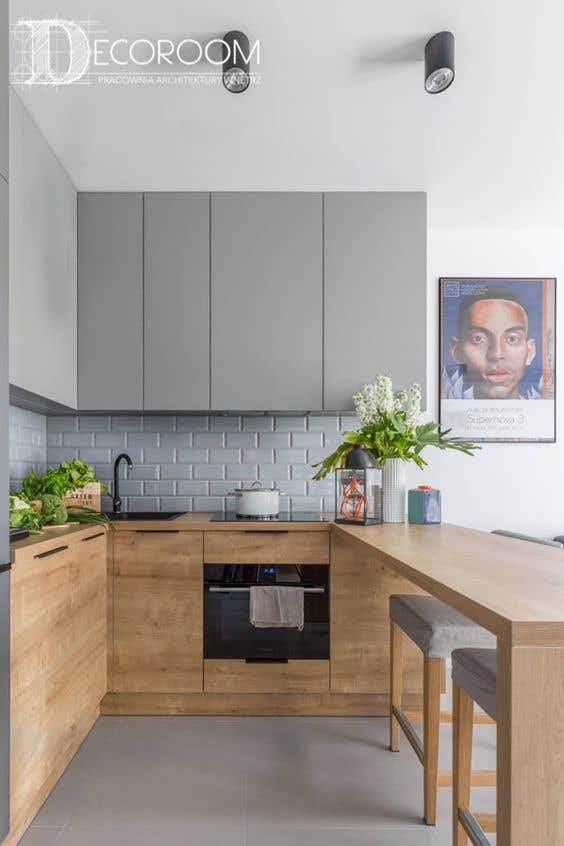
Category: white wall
[511,486]
[43,298]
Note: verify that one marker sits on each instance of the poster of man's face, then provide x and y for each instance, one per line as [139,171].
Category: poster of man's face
[497,355]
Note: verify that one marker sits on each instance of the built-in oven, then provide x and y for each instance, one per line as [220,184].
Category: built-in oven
[228,632]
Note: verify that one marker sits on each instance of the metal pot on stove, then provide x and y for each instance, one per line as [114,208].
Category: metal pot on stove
[257,501]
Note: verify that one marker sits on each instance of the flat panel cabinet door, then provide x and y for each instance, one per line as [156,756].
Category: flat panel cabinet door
[158,617]
[266,301]
[177,285]
[375,291]
[110,302]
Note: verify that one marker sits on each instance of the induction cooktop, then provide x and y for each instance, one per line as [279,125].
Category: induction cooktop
[283,517]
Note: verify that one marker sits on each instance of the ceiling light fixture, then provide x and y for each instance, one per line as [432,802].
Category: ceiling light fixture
[236,65]
[439,62]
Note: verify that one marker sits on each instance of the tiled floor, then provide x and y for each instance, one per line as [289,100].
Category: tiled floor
[254,781]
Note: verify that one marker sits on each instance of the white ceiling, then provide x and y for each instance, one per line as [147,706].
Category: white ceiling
[341,105]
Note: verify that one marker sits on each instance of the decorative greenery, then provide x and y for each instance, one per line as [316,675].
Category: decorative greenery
[24,516]
[58,481]
[79,514]
[390,428]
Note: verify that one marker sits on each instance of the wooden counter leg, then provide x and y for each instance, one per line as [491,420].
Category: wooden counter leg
[396,680]
[530,745]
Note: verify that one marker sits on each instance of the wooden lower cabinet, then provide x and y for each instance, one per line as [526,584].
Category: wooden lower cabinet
[58,666]
[267,546]
[361,586]
[157,611]
[242,677]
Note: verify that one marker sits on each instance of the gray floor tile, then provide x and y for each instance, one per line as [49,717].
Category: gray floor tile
[41,837]
[282,780]
[206,836]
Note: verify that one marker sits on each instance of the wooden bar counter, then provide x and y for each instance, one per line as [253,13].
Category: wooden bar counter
[516,590]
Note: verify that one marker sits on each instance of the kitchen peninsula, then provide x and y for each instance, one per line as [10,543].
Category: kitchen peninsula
[494,580]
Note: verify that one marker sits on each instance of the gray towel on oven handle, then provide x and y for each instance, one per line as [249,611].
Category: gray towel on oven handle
[273,607]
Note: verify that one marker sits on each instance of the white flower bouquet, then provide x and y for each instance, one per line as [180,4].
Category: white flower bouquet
[390,428]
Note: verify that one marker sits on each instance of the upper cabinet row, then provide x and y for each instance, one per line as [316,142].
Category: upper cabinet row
[247,301]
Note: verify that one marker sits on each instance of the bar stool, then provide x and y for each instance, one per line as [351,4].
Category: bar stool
[474,680]
[437,630]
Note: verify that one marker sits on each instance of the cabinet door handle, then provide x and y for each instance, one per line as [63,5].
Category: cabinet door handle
[51,552]
[91,537]
[157,531]
[266,531]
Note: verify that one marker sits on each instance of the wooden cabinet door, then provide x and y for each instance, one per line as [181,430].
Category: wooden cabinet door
[267,294]
[158,611]
[177,301]
[110,302]
[360,590]
[58,664]
[375,291]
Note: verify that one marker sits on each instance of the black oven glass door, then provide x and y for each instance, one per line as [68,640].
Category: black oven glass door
[227,630]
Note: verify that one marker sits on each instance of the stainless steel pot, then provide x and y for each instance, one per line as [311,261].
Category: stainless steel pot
[257,501]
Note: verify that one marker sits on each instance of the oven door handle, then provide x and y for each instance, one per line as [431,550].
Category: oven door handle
[216,589]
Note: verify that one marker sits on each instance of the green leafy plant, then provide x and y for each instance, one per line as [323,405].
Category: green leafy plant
[390,428]
[58,481]
[79,514]
[23,516]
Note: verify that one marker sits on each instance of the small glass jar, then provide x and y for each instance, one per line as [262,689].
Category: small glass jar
[358,490]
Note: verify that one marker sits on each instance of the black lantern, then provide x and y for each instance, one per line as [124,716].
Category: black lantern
[358,489]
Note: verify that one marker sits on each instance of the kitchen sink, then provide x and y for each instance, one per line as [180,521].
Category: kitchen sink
[143,515]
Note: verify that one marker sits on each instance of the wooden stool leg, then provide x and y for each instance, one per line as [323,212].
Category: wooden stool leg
[432,680]
[463,713]
[396,678]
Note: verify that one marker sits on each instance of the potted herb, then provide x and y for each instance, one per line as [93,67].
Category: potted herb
[392,433]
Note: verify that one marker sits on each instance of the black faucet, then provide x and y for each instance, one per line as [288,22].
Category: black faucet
[123,456]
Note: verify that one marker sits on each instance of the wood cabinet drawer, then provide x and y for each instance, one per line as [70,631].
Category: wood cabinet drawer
[266,547]
[235,676]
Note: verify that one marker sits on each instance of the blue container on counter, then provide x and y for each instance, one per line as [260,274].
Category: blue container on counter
[424,505]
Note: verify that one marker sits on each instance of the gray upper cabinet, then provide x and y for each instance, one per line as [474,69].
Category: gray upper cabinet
[177,288]
[110,302]
[266,301]
[375,291]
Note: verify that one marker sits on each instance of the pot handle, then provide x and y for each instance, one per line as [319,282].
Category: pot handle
[256,483]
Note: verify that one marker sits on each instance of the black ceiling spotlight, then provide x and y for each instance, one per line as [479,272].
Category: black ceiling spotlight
[236,67]
[439,62]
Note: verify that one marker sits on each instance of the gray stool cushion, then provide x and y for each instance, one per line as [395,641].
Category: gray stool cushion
[435,627]
[474,670]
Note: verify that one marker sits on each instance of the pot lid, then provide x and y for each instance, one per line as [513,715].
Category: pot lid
[256,487]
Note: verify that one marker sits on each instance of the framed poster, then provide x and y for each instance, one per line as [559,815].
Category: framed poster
[497,359]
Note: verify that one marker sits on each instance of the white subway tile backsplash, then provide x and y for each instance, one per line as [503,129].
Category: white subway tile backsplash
[94,423]
[78,439]
[274,472]
[191,456]
[192,423]
[176,471]
[143,439]
[224,456]
[291,424]
[241,439]
[290,456]
[241,471]
[307,439]
[209,439]
[257,456]
[193,462]
[116,440]
[208,471]
[274,440]
[158,455]
[192,488]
